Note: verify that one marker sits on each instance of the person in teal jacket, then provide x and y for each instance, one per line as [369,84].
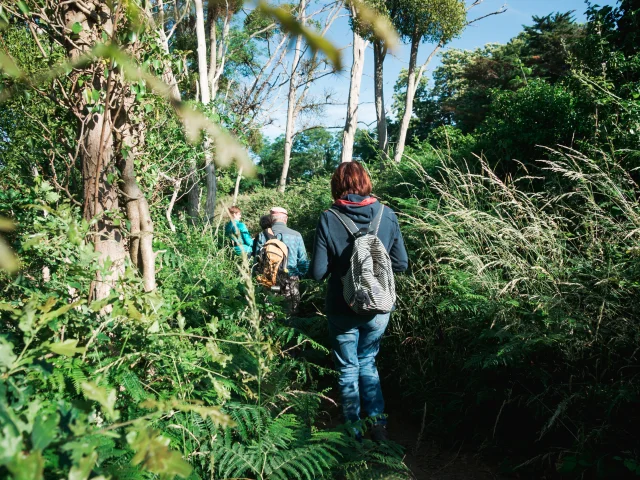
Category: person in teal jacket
[238,233]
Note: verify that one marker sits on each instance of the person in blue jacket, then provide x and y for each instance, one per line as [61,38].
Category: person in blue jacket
[355,339]
[238,233]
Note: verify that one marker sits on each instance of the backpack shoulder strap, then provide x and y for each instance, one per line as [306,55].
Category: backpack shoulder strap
[353,229]
[374,226]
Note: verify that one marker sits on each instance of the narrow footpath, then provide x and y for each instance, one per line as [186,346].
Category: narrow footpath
[428,461]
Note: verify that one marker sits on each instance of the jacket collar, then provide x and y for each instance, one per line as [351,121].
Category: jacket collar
[353,200]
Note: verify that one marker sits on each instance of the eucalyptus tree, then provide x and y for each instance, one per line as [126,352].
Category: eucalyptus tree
[359,46]
[436,22]
[304,72]
[417,21]
[384,10]
[165,20]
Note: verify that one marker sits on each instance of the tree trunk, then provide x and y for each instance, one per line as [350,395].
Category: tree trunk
[408,107]
[172,202]
[203,72]
[212,183]
[97,152]
[193,189]
[217,49]
[291,104]
[202,54]
[379,54]
[193,195]
[351,123]
[130,139]
[213,51]
[101,197]
[236,190]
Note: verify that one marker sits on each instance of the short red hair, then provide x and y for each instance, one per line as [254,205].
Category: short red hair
[350,177]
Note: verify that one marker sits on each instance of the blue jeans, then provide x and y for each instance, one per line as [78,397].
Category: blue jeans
[355,343]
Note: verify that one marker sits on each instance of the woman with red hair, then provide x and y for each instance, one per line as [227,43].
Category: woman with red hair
[355,338]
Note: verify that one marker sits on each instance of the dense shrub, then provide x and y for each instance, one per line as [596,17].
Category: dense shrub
[519,122]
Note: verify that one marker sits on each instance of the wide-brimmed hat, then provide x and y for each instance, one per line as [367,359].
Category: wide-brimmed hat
[276,210]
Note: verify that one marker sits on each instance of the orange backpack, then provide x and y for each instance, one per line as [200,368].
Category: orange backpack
[272,261]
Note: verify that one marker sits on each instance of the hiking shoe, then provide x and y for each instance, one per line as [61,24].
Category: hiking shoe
[379,433]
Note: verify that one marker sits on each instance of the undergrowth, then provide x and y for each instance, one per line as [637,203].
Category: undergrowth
[202,378]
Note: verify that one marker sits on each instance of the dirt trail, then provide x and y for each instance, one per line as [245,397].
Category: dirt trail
[428,461]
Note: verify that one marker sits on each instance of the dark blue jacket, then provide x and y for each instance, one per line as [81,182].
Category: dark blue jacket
[333,246]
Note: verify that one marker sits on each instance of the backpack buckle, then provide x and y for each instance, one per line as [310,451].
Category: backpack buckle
[362,232]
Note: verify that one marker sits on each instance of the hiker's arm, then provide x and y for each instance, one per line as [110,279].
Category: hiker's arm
[255,249]
[398,252]
[246,236]
[302,262]
[320,262]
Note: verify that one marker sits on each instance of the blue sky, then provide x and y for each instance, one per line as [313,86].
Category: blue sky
[495,29]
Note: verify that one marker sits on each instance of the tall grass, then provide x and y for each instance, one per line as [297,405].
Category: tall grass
[521,309]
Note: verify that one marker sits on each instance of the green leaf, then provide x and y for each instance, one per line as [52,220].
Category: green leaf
[68,348]
[10,444]
[290,24]
[157,64]
[3,15]
[152,450]
[9,66]
[44,431]
[33,240]
[8,260]
[76,28]
[27,467]
[7,357]
[569,464]
[23,7]
[62,310]
[95,94]
[106,398]
[84,467]
[52,197]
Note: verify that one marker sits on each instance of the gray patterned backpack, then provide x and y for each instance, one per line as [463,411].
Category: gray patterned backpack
[368,286]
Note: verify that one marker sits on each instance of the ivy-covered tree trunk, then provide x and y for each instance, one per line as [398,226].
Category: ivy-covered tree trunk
[109,142]
[99,175]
